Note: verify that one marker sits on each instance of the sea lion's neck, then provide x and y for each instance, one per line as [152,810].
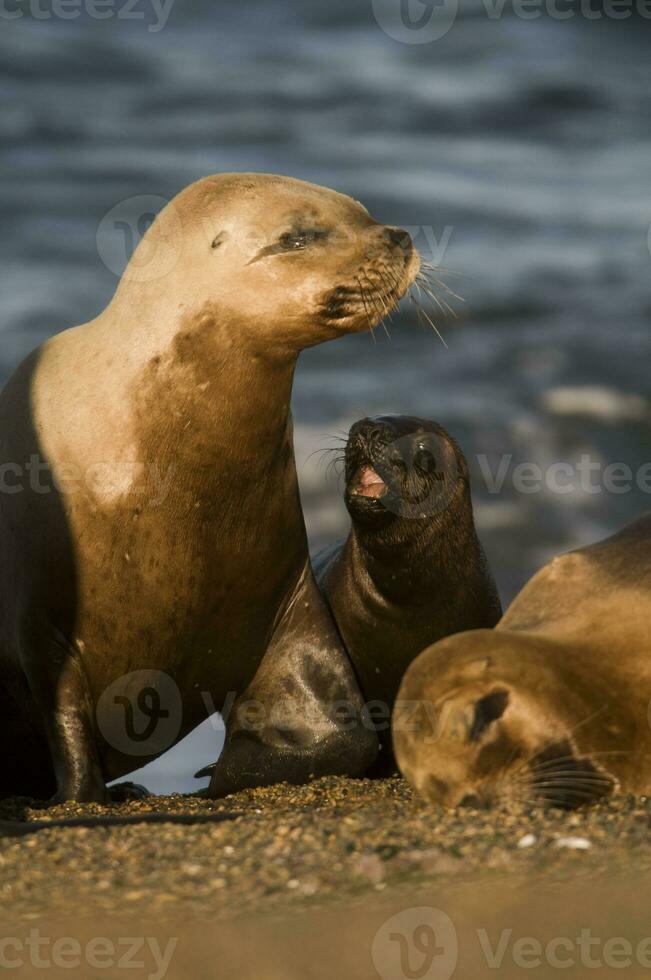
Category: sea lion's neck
[409,564]
[181,400]
[195,375]
[228,410]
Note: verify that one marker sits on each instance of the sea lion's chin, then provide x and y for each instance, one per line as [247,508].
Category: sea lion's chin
[366,498]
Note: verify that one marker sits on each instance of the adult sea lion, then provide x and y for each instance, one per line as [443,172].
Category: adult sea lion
[412,569]
[551,705]
[153,547]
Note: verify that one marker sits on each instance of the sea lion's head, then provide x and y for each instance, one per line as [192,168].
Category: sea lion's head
[399,470]
[275,258]
[480,719]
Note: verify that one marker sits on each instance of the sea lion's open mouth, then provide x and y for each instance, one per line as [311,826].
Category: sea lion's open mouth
[368,483]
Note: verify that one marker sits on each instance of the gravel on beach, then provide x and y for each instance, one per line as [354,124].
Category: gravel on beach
[328,842]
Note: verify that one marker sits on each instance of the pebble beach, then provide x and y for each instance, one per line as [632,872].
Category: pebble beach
[297,847]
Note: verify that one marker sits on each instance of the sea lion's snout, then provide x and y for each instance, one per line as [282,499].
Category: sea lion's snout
[405,465]
[371,465]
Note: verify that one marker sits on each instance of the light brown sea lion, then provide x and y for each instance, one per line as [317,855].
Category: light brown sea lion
[551,705]
[412,569]
[153,547]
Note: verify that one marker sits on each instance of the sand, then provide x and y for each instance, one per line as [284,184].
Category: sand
[316,866]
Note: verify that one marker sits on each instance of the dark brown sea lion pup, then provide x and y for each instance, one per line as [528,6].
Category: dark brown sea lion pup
[553,704]
[412,569]
[151,534]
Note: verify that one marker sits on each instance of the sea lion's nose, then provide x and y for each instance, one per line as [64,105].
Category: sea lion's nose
[399,237]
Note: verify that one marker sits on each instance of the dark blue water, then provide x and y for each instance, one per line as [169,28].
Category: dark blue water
[525,145]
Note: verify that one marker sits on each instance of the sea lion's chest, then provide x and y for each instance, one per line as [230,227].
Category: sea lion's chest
[188,577]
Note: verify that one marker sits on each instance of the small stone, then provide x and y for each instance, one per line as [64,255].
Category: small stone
[191,869]
[372,867]
[573,843]
[527,841]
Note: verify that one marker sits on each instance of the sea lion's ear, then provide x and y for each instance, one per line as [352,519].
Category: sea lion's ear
[219,239]
[564,778]
[486,710]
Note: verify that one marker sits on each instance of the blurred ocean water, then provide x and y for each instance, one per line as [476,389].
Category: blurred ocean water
[525,145]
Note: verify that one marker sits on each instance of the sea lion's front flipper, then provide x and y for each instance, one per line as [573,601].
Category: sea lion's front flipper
[59,685]
[302,715]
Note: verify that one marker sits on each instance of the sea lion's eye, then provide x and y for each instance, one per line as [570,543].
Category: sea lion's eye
[424,459]
[292,241]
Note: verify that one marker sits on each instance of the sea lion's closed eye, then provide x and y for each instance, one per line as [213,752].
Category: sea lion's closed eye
[487,710]
[291,241]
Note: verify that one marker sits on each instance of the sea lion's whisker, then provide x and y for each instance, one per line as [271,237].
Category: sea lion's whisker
[323,452]
[372,294]
[366,310]
[441,303]
[389,309]
[439,300]
[432,269]
[419,315]
[431,278]
[386,307]
[363,298]
[561,778]
[586,721]
[539,766]
[332,465]
[430,321]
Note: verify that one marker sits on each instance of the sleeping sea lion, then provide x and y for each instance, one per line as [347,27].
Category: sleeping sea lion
[553,704]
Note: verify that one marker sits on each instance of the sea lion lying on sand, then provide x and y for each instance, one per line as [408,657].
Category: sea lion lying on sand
[553,704]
